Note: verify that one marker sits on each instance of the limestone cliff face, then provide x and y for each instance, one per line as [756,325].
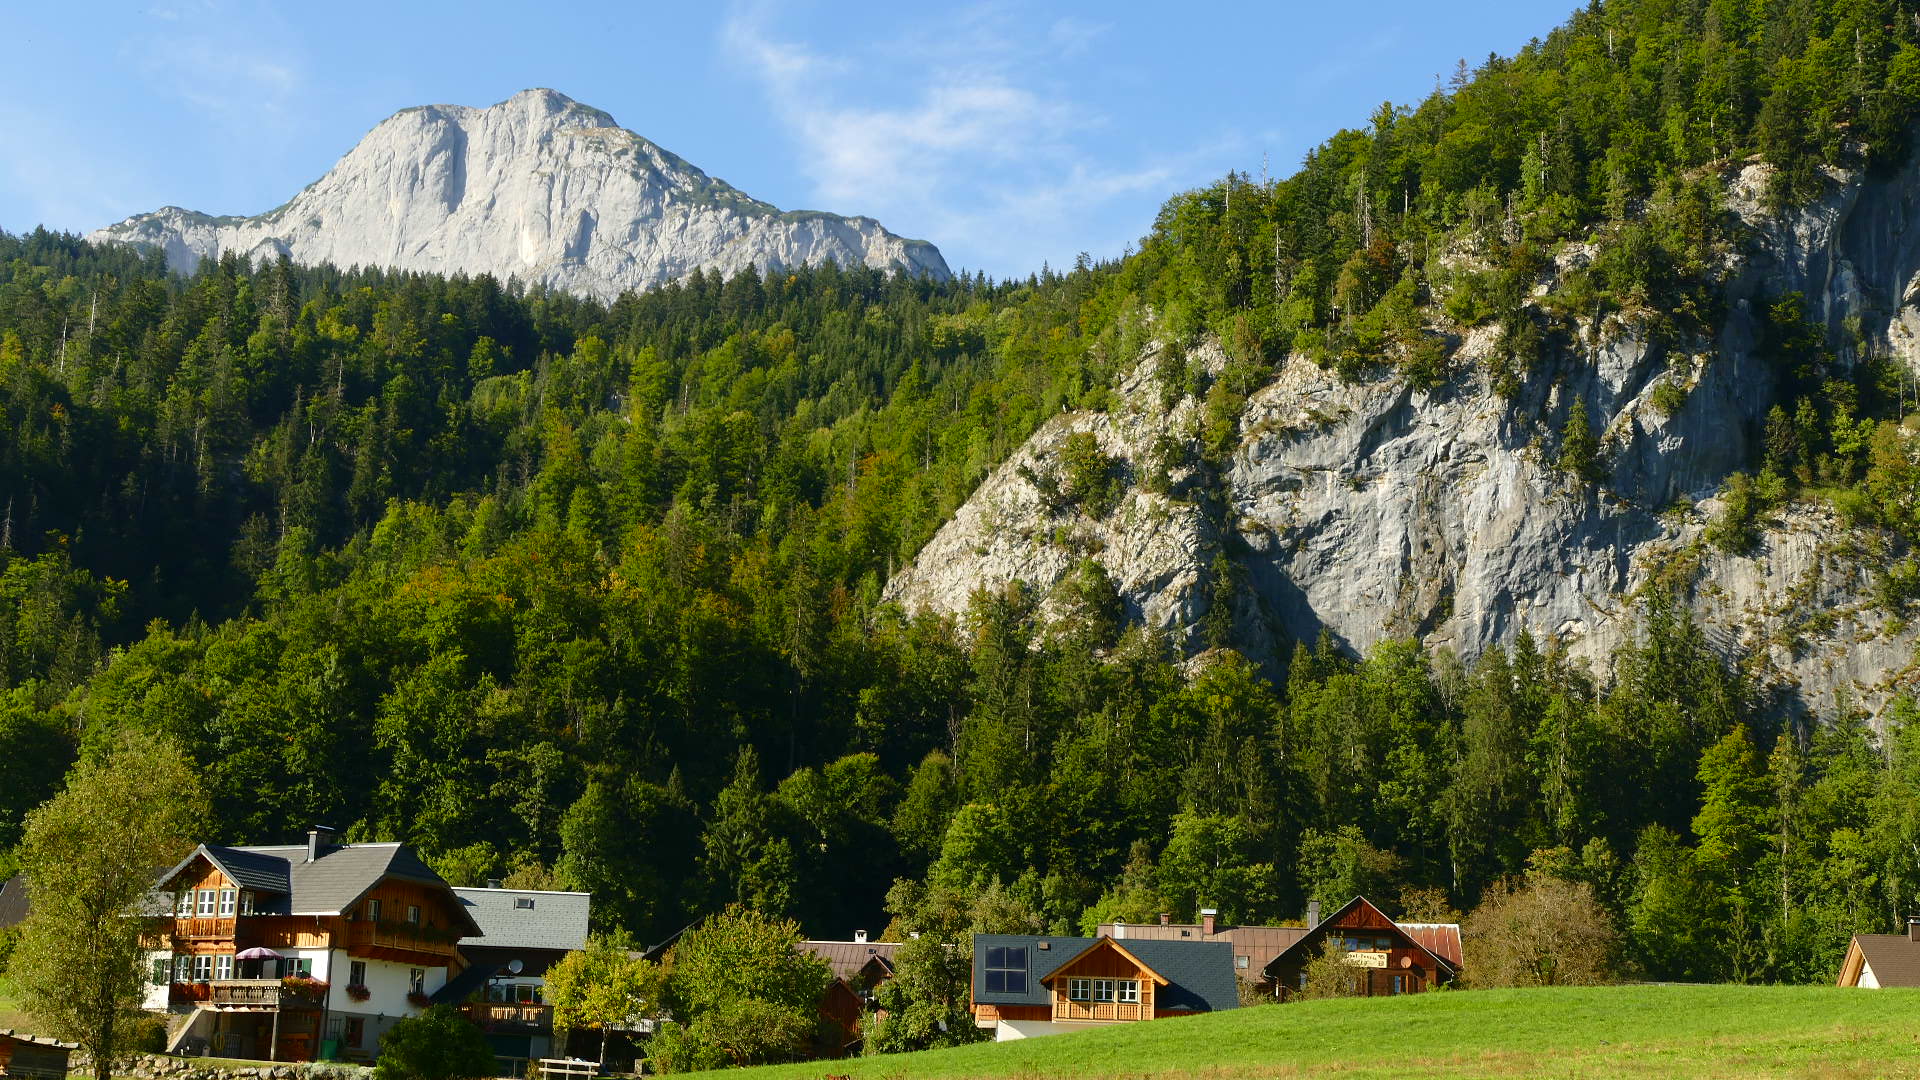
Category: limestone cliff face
[1374,510]
[538,187]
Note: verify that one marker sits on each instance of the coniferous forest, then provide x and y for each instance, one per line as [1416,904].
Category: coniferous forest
[590,596]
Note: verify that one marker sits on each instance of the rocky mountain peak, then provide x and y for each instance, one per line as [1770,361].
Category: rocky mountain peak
[538,187]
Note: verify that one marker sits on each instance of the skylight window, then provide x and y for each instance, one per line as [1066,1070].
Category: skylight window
[523,903]
[1006,969]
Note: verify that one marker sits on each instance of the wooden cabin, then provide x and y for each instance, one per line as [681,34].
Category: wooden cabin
[1877,960]
[1387,958]
[858,966]
[1024,986]
[29,1056]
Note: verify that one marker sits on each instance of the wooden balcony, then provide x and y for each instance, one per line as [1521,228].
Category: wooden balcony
[407,943]
[1113,1011]
[509,1016]
[257,995]
[207,929]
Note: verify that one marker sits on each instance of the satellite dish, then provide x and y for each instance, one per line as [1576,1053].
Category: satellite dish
[514,967]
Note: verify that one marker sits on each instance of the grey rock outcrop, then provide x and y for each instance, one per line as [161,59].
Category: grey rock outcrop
[538,187]
[1373,510]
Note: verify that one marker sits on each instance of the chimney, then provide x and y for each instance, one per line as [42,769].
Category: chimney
[1165,918]
[860,937]
[317,837]
[493,883]
[1207,917]
[1913,930]
[1313,914]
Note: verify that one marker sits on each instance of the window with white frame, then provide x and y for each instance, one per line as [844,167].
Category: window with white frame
[162,970]
[1103,989]
[246,902]
[209,902]
[227,898]
[416,981]
[202,968]
[1128,990]
[357,973]
[1080,989]
[413,914]
[223,967]
[185,910]
[297,967]
[183,968]
[373,910]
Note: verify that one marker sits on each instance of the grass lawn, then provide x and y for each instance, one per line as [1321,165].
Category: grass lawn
[1683,1031]
[10,1014]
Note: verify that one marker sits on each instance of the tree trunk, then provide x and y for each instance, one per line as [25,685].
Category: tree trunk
[103,1050]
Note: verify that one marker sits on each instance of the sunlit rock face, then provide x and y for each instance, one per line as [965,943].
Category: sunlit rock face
[540,188]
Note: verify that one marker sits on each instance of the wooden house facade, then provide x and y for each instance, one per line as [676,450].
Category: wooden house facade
[288,953]
[1025,985]
[1387,958]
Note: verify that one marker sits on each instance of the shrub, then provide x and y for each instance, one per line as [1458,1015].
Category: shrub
[1328,975]
[439,1044]
[1669,397]
[677,1048]
[1545,932]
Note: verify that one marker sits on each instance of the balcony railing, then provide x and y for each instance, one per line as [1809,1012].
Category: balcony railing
[411,937]
[210,928]
[493,1015]
[257,992]
[1101,1010]
[263,993]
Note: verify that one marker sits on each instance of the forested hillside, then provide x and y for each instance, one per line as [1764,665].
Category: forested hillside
[591,595]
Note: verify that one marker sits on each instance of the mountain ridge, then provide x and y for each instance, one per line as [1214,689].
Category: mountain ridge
[538,187]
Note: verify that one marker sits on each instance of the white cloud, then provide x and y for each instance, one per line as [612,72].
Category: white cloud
[241,68]
[955,132]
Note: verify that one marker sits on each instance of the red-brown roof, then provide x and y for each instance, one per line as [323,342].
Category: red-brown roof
[848,957]
[1440,939]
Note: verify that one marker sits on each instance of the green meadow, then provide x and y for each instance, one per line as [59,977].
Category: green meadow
[1649,1030]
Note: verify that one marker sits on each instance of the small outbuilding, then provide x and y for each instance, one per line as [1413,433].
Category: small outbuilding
[1876,960]
[32,1056]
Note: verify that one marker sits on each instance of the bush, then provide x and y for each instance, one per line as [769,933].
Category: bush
[147,1033]
[676,1048]
[1546,932]
[1328,975]
[439,1044]
[1669,397]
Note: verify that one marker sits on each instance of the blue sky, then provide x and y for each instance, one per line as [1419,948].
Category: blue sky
[1007,133]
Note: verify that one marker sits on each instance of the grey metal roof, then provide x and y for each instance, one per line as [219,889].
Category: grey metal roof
[557,920]
[1199,974]
[329,885]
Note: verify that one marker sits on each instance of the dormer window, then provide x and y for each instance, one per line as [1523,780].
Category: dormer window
[523,903]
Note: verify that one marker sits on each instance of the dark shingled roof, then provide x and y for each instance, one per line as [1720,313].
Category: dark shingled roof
[462,986]
[1199,974]
[329,885]
[13,900]
[1894,958]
